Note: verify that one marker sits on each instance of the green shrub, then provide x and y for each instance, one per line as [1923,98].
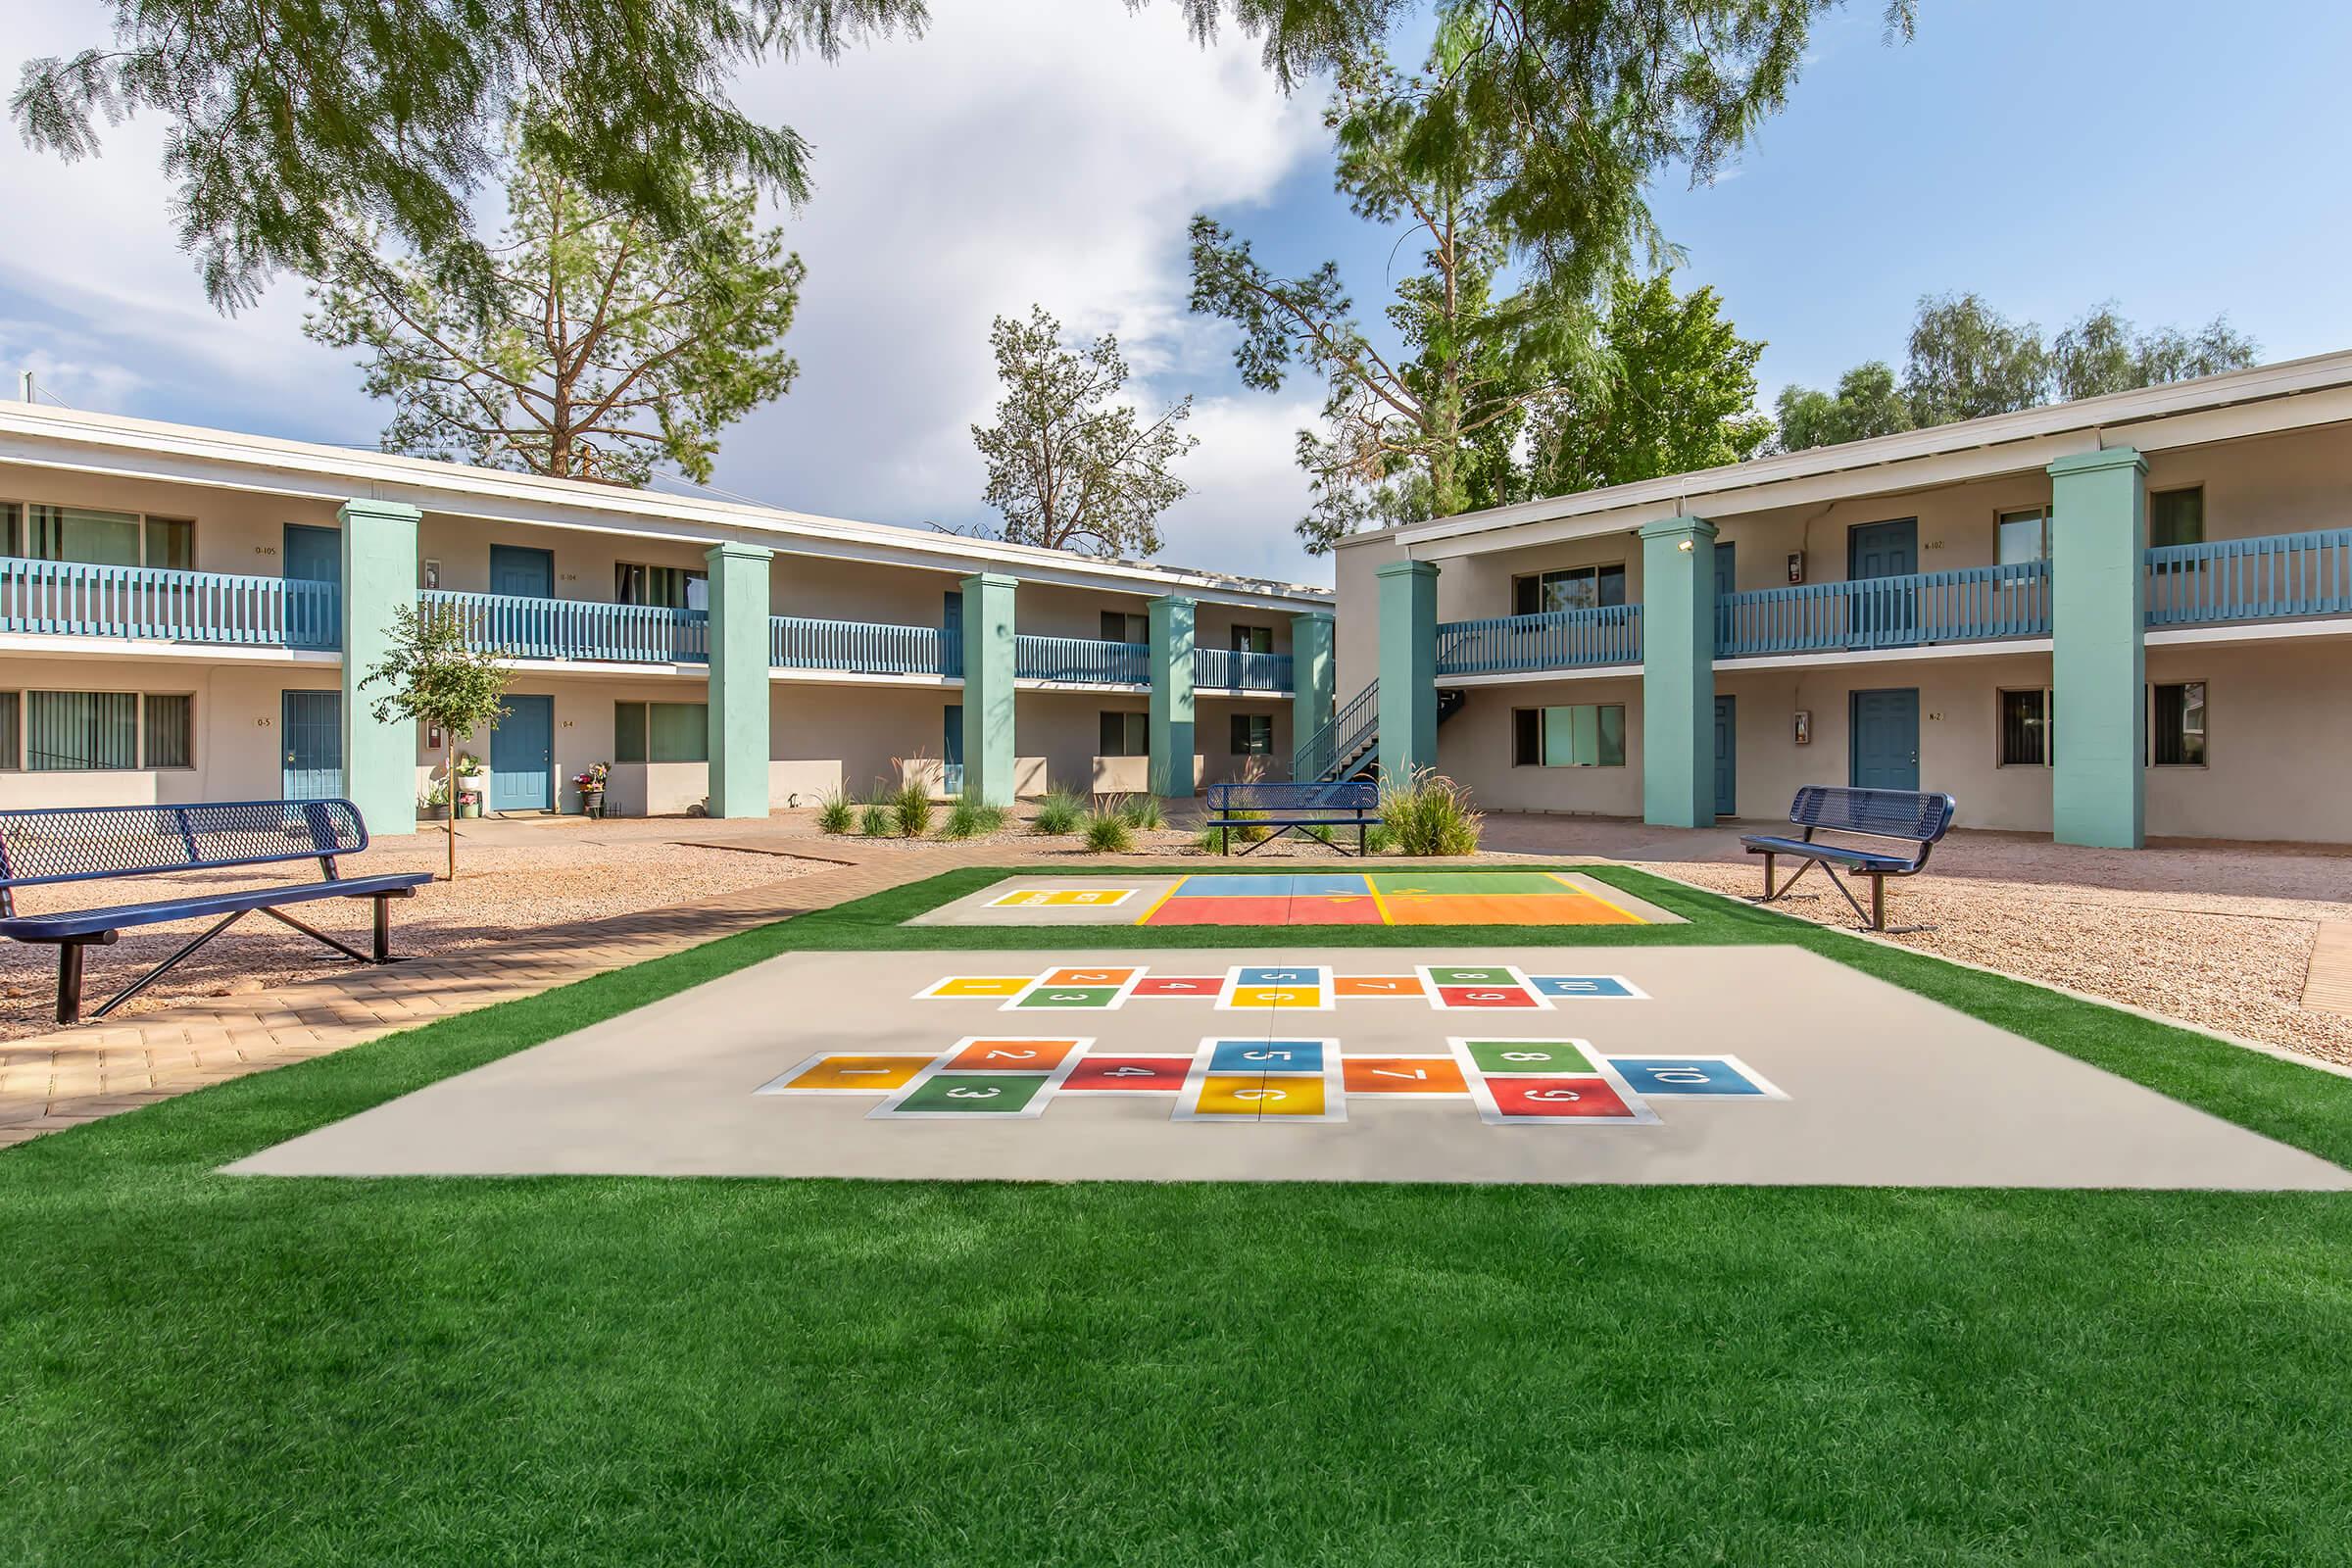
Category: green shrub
[1110,833]
[1060,812]
[968,818]
[910,808]
[1143,812]
[1428,815]
[836,813]
[1320,832]
[878,821]
[1378,840]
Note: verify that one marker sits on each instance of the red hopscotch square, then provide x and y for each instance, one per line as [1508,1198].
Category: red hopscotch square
[1559,1096]
[1222,911]
[1486,997]
[1130,1073]
[1178,986]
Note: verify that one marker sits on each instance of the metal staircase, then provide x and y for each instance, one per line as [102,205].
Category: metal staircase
[1348,747]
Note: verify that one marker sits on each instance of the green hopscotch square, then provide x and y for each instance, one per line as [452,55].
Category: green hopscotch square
[1489,976]
[970,1093]
[1504,1057]
[1071,996]
[1405,884]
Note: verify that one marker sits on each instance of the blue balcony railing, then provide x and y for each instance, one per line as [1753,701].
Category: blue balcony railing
[861,646]
[1225,669]
[1082,660]
[522,628]
[1557,639]
[1934,607]
[74,599]
[2251,579]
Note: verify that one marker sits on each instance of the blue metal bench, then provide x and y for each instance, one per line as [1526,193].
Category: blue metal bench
[90,842]
[1906,816]
[1292,808]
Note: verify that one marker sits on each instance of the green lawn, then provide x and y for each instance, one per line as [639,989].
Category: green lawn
[195,1368]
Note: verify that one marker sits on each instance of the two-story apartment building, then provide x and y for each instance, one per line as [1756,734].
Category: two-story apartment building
[2126,616]
[188,613]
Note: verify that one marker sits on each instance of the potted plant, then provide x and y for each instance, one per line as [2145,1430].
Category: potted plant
[590,786]
[434,805]
[468,770]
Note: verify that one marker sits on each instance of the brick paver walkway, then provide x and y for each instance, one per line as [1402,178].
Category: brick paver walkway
[66,1078]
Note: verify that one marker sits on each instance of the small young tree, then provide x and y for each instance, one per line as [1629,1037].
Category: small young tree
[1069,467]
[437,676]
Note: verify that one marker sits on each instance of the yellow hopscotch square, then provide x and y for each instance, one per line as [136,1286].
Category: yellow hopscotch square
[1223,1094]
[981,985]
[1061,898]
[1278,996]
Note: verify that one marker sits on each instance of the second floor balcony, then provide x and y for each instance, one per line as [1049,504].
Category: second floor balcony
[1557,639]
[1972,604]
[207,609]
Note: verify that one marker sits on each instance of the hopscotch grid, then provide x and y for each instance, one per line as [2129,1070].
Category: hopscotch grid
[889,1109]
[1490,1111]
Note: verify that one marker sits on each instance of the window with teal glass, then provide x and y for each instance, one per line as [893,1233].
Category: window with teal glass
[82,731]
[660,732]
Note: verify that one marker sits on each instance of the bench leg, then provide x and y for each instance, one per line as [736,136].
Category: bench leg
[69,982]
[1768,860]
[383,928]
[1877,901]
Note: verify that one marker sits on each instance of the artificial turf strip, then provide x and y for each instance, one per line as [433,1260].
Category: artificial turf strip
[204,1369]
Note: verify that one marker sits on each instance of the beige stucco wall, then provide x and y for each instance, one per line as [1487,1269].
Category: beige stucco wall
[1474,748]
[236,531]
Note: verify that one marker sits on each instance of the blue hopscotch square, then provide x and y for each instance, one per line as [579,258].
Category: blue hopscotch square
[1297,975]
[1665,1077]
[1266,1056]
[1579,984]
[1330,885]
[1240,885]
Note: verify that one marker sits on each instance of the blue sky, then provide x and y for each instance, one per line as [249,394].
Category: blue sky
[2050,156]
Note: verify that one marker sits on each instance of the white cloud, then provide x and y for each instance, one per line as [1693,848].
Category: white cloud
[1028,151]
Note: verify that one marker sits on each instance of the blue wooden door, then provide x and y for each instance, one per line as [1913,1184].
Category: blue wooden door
[522,573]
[1881,616]
[1727,756]
[310,725]
[1883,745]
[314,618]
[523,749]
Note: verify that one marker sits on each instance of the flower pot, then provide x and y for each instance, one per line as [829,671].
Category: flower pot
[433,814]
[470,804]
[592,803]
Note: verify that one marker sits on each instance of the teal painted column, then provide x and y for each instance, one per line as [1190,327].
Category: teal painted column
[1677,672]
[1171,764]
[739,701]
[988,696]
[1408,667]
[379,575]
[2098,600]
[1315,675]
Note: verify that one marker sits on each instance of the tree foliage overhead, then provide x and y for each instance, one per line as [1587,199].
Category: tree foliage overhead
[1571,107]
[1673,390]
[1967,361]
[1428,429]
[1069,466]
[600,346]
[283,113]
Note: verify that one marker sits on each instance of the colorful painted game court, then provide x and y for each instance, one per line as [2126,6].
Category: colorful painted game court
[1408,898]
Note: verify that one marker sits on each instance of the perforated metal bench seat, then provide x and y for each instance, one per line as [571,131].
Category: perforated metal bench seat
[1342,803]
[92,843]
[120,916]
[1911,817]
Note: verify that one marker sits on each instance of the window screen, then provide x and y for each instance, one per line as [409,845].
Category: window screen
[72,731]
[2025,729]
[678,732]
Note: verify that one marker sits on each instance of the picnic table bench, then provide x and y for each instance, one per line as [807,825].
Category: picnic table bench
[1292,808]
[1892,816]
[92,843]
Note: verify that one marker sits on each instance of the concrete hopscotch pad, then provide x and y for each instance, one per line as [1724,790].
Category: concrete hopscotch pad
[1749,1065]
[1437,897]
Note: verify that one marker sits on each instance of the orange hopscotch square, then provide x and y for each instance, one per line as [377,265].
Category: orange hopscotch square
[1402,1075]
[1086,977]
[1377,985]
[1505,908]
[1011,1055]
[859,1074]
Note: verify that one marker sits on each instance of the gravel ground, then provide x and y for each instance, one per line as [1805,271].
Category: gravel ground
[2232,961]
[532,879]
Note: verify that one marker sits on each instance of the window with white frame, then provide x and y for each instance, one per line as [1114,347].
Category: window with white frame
[40,532]
[2177,720]
[96,732]
[1569,588]
[1587,735]
[2025,735]
[2023,536]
